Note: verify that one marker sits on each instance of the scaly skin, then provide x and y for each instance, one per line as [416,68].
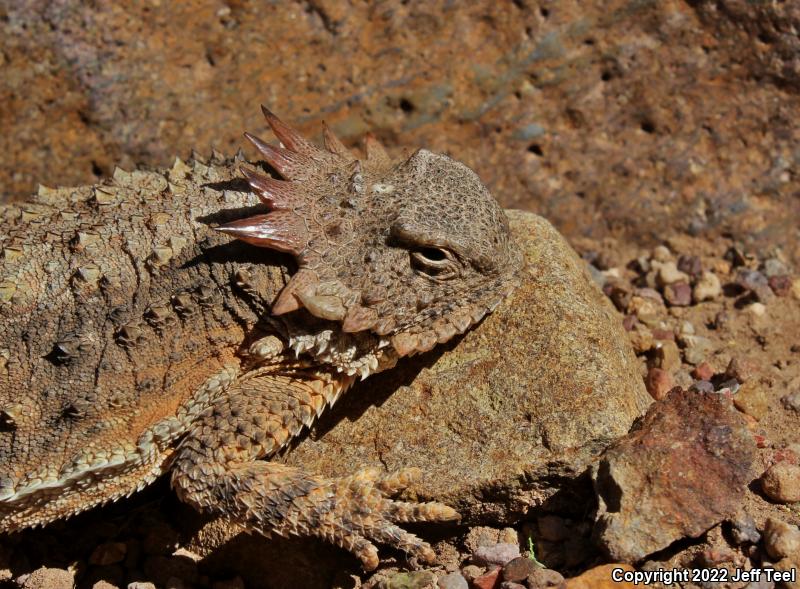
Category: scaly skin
[136,340]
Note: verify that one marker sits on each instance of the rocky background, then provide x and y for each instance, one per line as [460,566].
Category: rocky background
[660,138]
[628,119]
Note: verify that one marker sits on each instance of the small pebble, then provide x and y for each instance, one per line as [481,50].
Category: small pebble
[641,339]
[744,531]
[792,401]
[663,334]
[658,383]
[453,581]
[740,369]
[755,282]
[498,554]
[629,322]
[597,276]
[691,265]
[752,400]
[774,267]
[488,580]
[48,578]
[661,253]
[471,572]
[668,357]
[781,539]
[781,482]
[646,310]
[545,579]
[668,273]
[750,279]
[518,569]
[702,386]
[716,556]
[756,309]
[412,580]
[141,585]
[731,385]
[707,288]
[697,348]
[780,285]
[678,294]
[721,320]
[703,371]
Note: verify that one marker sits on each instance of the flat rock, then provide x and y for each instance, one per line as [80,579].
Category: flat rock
[682,470]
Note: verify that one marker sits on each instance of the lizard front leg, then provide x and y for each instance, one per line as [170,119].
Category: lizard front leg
[217,468]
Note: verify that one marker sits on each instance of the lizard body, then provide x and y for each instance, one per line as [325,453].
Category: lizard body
[136,340]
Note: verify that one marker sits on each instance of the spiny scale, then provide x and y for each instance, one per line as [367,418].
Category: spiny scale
[276,194]
[289,164]
[289,137]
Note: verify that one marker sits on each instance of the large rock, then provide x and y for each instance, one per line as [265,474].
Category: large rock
[543,383]
[499,421]
[682,470]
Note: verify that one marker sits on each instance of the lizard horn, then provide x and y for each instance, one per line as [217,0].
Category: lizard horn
[276,194]
[289,136]
[288,163]
[280,231]
[376,154]
[333,144]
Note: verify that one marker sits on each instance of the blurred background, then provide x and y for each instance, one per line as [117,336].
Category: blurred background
[618,119]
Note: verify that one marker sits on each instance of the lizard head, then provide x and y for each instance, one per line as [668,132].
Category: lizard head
[414,251]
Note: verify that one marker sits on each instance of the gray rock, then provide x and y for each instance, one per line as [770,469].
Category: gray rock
[774,267]
[744,531]
[792,401]
[499,554]
[453,581]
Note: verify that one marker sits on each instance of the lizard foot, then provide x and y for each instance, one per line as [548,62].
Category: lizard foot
[358,510]
[351,512]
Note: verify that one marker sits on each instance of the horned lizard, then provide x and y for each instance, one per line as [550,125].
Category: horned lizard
[137,338]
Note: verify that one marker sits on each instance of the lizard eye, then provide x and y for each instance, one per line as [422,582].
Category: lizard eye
[435,262]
